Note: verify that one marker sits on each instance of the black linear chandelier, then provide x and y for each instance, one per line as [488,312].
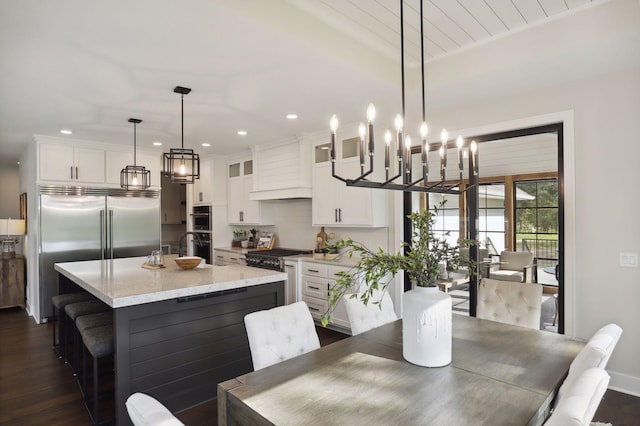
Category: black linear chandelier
[179,164]
[404,152]
[135,177]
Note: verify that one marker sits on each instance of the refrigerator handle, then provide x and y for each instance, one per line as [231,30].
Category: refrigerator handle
[110,234]
[102,235]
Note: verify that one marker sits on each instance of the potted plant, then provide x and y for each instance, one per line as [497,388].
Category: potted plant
[425,305]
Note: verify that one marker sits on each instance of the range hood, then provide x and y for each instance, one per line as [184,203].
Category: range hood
[282,171]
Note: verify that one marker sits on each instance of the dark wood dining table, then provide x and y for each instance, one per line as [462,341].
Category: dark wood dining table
[499,375]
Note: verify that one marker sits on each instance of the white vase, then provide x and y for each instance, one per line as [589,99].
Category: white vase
[426,327]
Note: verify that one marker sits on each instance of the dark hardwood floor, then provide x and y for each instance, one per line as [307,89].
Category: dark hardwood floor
[37,388]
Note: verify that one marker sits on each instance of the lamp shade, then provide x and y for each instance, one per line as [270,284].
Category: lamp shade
[12,227]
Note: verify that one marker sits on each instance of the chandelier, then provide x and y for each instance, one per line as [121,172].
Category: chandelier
[403,180]
[135,177]
[179,164]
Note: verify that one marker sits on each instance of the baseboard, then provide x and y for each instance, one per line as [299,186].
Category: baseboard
[624,383]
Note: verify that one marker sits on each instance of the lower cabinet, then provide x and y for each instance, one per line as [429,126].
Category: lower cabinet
[228,257]
[317,279]
[12,282]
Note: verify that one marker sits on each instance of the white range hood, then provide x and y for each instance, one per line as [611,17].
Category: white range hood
[282,171]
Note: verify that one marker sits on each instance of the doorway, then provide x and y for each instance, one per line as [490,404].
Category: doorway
[521,204]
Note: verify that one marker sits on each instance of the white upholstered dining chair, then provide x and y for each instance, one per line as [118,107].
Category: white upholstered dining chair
[378,311]
[145,410]
[510,302]
[581,400]
[280,333]
[595,354]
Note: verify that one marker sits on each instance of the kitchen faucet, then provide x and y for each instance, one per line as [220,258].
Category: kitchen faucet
[195,234]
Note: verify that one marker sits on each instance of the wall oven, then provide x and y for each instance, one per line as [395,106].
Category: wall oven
[202,225]
[201,218]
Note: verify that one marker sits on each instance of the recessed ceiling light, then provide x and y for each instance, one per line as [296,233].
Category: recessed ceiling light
[242,132]
[206,144]
[66,131]
[157,143]
[292,116]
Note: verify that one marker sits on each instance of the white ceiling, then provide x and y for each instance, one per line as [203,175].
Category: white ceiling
[89,66]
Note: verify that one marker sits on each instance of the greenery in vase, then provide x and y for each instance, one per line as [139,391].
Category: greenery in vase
[422,262]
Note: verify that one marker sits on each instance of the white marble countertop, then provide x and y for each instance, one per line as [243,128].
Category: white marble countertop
[123,282]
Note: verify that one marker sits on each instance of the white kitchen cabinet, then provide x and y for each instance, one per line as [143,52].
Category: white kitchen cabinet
[228,257]
[118,160]
[336,204]
[69,163]
[291,267]
[241,210]
[317,278]
[203,187]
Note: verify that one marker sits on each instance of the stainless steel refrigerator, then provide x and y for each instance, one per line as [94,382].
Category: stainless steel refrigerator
[90,224]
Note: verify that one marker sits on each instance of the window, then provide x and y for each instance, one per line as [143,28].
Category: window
[448,219]
[491,228]
[536,210]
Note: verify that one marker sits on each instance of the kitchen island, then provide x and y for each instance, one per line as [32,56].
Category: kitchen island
[177,332]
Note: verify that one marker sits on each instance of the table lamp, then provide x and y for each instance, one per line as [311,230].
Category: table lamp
[10,228]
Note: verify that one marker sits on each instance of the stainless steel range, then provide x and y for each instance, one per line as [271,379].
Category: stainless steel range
[272,259]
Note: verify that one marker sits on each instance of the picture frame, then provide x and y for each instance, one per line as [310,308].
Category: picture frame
[23,208]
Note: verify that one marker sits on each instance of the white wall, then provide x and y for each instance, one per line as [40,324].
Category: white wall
[607,148]
[9,191]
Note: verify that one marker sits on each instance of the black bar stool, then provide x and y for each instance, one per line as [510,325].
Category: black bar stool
[59,302]
[86,322]
[99,343]
[76,310]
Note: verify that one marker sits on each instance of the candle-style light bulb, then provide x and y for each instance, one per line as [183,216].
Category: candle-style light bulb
[474,157]
[371,116]
[408,158]
[362,131]
[371,113]
[460,144]
[399,123]
[333,125]
[387,144]
[424,130]
[444,136]
[183,169]
[134,181]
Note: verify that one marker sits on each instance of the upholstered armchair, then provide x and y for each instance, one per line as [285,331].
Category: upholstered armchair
[518,266]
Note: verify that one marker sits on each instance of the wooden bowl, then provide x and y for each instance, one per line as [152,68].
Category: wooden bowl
[188,262]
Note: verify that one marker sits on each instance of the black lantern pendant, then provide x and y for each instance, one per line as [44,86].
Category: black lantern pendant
[179,164]
[135,177]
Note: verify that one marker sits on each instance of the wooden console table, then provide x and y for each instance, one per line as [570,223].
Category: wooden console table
[12,282]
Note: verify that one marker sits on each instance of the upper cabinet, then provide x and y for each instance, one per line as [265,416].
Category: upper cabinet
[117,160]
[68,163]
[241,210]
[203,187]
[336,204]
[281,171]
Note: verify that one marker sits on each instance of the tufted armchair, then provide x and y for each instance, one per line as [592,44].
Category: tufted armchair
[510,302]
[518,266]
[365,317]
[280,333]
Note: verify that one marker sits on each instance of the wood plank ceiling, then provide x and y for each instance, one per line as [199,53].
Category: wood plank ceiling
[450,25]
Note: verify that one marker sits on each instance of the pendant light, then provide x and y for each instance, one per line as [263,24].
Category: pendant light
[135,177]
[179,164]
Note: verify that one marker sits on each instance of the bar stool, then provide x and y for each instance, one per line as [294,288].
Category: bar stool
[76,310]
[86,322]
[99,343]
[59,302]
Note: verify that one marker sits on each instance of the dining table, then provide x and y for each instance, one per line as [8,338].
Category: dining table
[500,374]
